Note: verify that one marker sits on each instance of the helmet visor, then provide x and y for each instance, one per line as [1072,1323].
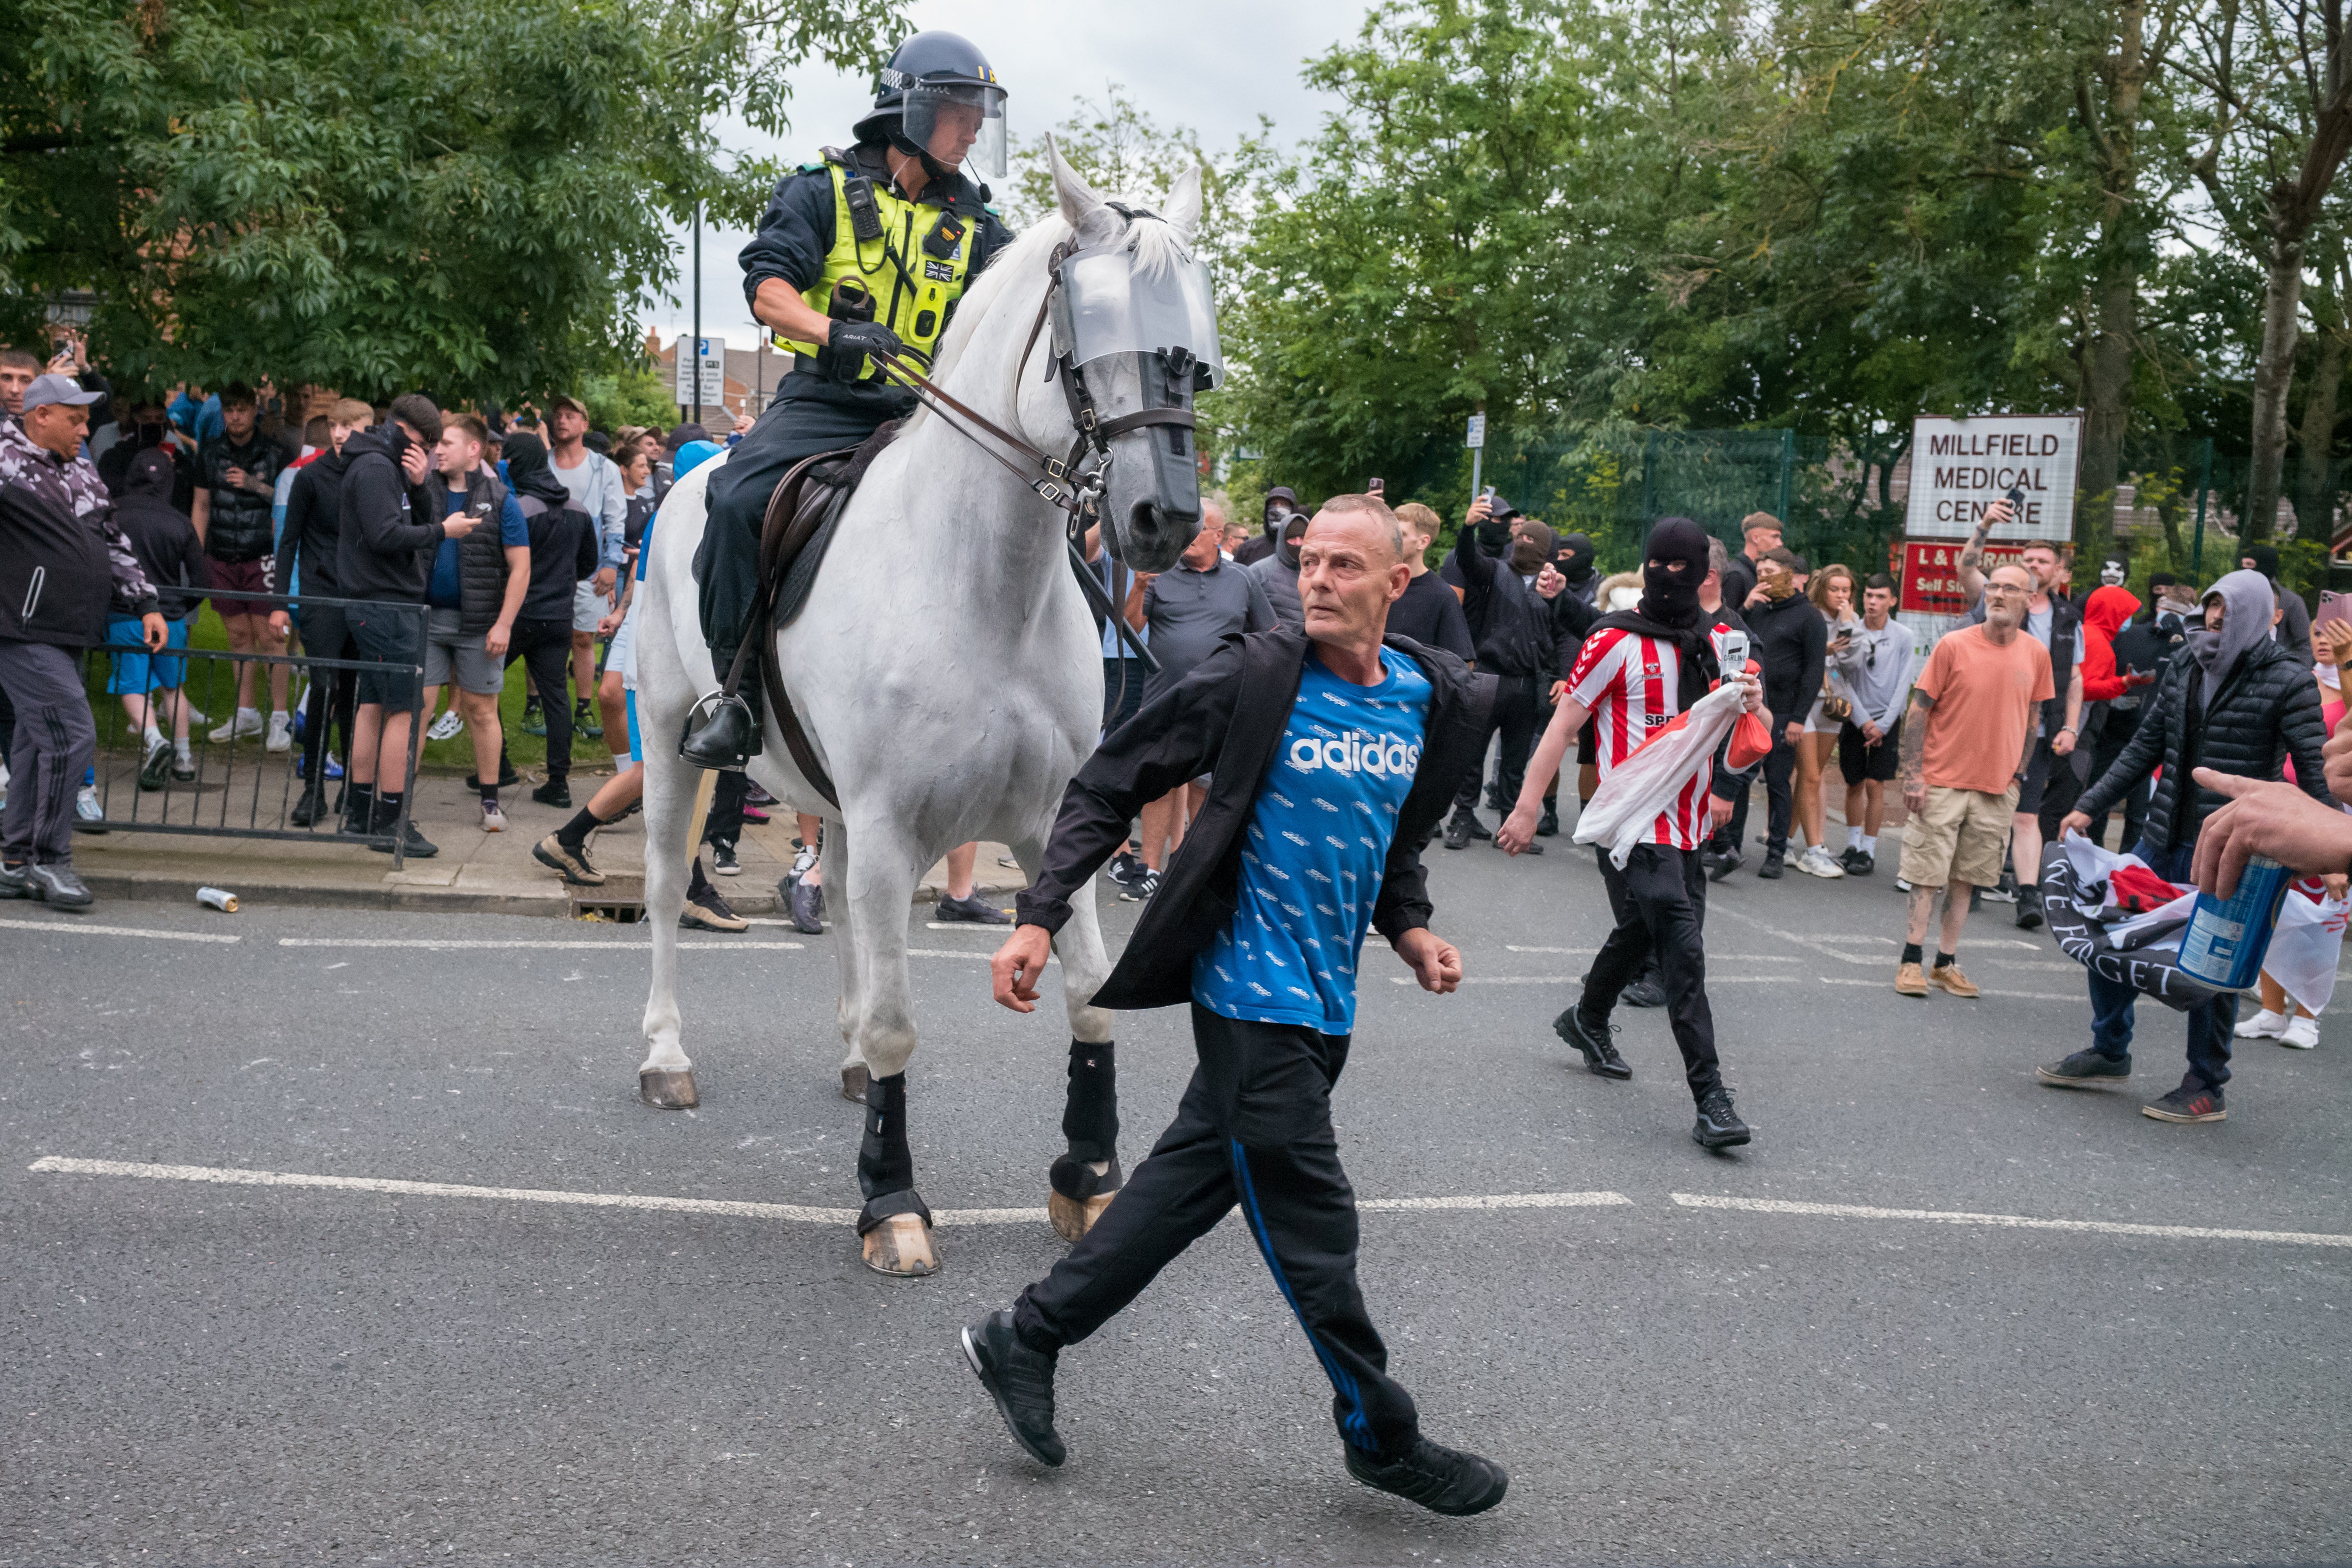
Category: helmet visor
[952,121]
[1107,305]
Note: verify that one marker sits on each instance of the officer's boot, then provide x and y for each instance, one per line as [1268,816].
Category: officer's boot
[730,737]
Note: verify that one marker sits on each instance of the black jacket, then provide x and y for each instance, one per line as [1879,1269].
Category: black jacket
[481,555]
[240,527]
[563,549]
[1429,613]
[2266,710]
[389,528]
[161,537]
[312,537]
[1226,718]
[2141,648]
[1790,640]
[1516,630]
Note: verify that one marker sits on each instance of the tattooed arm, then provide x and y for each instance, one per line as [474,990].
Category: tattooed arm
[1914,750]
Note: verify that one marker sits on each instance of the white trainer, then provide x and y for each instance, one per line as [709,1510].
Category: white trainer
[1816,862]
[2263,1025]
[2301,1034]
[281,733]
[246,722]
[448,727]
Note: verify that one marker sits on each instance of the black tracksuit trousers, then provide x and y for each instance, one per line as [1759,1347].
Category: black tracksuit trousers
[1661,897]
[545,648]
[1519,715]
[1254,1130]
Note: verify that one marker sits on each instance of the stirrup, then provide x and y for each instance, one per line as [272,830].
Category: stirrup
[727,738]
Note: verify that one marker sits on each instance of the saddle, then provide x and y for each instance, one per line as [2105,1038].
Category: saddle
[803,512]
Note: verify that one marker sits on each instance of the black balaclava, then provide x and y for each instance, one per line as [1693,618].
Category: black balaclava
[1294,534]
[1530,548]
[1668,599]
[1280,502]
[1575,554]
[2265,559]
[529,473]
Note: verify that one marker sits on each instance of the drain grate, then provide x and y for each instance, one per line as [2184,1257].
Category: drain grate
[622,903]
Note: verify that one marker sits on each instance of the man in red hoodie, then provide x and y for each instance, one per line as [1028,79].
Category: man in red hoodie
[2105,615]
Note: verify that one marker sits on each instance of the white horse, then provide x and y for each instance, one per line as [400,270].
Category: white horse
[948,671]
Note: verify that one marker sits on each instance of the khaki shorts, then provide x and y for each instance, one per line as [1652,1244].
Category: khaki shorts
[1961,837]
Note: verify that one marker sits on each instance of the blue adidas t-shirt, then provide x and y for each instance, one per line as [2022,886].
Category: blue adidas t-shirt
[1319,842]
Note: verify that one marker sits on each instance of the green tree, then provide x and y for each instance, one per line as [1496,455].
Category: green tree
[377,197]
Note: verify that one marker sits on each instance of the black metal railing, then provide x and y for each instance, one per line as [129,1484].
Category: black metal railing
[236,788]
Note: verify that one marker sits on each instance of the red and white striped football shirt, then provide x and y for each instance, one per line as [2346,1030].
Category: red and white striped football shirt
[1629,683]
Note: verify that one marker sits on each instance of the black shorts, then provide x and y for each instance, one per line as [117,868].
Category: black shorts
[2037,779]
[394,640]
[1859,761]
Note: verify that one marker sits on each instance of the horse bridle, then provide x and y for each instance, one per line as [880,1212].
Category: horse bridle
[1069,482]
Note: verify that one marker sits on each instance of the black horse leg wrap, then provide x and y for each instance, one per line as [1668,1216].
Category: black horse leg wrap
[1090,1116]
[885,1163]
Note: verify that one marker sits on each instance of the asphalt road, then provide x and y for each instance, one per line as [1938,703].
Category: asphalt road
[201,1372]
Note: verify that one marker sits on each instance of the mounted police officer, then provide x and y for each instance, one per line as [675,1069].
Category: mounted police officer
[866,252]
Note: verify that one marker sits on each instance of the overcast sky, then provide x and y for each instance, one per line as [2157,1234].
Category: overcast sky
[1212,64]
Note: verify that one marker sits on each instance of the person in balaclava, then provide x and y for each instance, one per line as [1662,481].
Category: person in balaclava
[1519,641]
[1660,895]
[1280,504]
[1574,558]
[1277,574]
[2293,627]
[2237,702]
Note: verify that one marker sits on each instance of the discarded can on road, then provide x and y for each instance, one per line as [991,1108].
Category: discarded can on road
[217,899]
[2227,937]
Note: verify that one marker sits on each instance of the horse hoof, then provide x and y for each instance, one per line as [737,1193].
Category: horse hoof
[1073,1217]
[667,1090]
[901,1246]
[853,1084]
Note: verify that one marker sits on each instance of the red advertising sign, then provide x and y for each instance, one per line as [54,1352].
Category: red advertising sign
[1931,573]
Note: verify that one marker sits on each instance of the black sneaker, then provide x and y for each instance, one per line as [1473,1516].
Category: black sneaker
[1645,991]
[1020,1380]
[1858,861]
[1127,868]
[2084,1069]
[1477,828]
[309,808]
[1548,824]
[554,792]
[419,846]
[1457,830]
[1719,862]
[723,859]
[2192,1102]
[1770,870]
[15,881]
[1141,892]
[57,887]
[1718,1126]
[1440,1479]
[2029,909]
[974,911]
[1601,1057]
[507,777]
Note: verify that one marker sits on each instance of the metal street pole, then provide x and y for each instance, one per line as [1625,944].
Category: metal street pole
[1477,444]
[697,310]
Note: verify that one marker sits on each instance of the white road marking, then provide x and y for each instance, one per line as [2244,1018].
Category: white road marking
[1987,990]
[1724,957]
[1578,979]
[1501,1201]
[1556,952]
[75,927]
[2009,1221]
[435,945]
[226,1175]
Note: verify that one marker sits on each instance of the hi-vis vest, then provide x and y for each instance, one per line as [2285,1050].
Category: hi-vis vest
[915,270]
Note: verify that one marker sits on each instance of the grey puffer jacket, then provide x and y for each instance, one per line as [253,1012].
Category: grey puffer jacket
[2266,710]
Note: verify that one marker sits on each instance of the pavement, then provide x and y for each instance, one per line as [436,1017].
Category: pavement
[474,872]
[1936,1313]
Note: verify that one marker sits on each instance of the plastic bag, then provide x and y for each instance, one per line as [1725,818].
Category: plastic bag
[1751,742]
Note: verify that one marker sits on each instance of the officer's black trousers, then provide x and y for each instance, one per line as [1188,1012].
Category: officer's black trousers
[1661,897]
[726,566]
[1254,1130]
[1519,714]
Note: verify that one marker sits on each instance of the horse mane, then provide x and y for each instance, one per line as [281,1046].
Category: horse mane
[1154,241]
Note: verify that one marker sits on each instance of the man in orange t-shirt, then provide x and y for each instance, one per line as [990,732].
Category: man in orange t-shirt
[1966,744]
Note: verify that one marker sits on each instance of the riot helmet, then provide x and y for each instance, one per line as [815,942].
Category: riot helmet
[939,101]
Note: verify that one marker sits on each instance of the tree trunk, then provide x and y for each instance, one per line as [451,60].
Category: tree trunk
[2274,377]
[2106,408]
[2314,496]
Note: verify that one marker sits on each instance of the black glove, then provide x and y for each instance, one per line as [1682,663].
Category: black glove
[852,342]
